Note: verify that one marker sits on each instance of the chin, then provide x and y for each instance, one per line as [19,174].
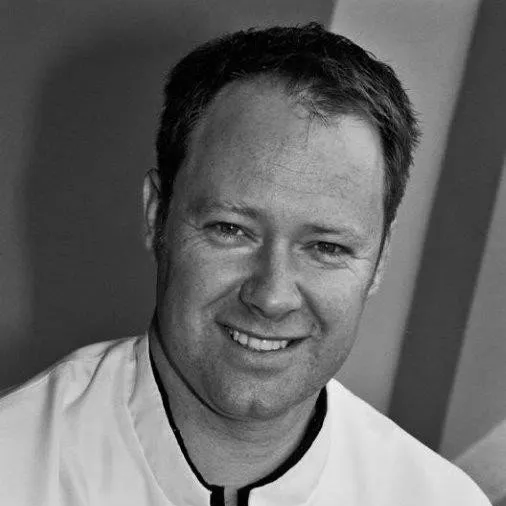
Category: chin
[256,411]
[258,403]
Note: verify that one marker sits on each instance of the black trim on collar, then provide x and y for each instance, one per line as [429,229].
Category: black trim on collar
[312,431]
[218,492]
[217,496]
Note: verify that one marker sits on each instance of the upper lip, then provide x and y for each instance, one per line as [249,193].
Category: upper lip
[283,337]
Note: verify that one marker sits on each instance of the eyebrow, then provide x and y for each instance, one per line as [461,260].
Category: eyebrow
[204,205]
[345,231]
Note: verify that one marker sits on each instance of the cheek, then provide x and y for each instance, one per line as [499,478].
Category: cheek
[337,298]
[338,302]
[339,323]
[199,276]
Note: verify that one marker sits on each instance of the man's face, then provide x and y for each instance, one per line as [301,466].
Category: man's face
[271,246]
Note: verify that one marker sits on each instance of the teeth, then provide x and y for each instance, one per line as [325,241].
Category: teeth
[253,343]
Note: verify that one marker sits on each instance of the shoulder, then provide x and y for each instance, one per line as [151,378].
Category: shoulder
[390,460]
[82,382]
[52,418]
[70,375]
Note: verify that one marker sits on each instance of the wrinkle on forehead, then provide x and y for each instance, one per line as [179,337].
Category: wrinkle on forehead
[239,109]
[247,116]
[302,181]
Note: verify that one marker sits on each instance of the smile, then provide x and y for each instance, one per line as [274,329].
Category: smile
[253,343]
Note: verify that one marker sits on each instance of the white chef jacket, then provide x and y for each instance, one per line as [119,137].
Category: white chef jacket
[92,430]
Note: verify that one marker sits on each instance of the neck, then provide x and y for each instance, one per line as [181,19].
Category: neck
[225,451]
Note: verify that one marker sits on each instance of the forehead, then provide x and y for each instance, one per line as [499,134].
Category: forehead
[255,141]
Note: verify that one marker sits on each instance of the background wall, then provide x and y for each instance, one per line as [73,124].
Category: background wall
[481,372]
[475,429]
[426,42]
[456,237]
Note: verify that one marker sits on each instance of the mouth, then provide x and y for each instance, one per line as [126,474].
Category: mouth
[255,343]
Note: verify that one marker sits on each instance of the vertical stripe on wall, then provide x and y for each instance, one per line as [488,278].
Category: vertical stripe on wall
[456,237]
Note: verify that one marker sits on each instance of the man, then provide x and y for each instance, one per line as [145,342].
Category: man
[282,157]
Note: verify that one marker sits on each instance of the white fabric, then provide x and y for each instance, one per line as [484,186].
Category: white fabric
[92,431]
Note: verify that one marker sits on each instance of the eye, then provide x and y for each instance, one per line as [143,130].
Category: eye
[329,250]
[227,231]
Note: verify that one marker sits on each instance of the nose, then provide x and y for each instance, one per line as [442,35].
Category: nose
[271,291]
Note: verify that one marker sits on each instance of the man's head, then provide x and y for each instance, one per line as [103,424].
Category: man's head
[283,155]
[326,72]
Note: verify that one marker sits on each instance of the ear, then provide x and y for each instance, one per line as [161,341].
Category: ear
[151,198]
[382,262]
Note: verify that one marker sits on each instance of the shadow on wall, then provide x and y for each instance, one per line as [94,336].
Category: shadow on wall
[92,138]
[92,142]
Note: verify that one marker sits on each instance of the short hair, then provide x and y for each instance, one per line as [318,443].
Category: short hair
[329,73]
